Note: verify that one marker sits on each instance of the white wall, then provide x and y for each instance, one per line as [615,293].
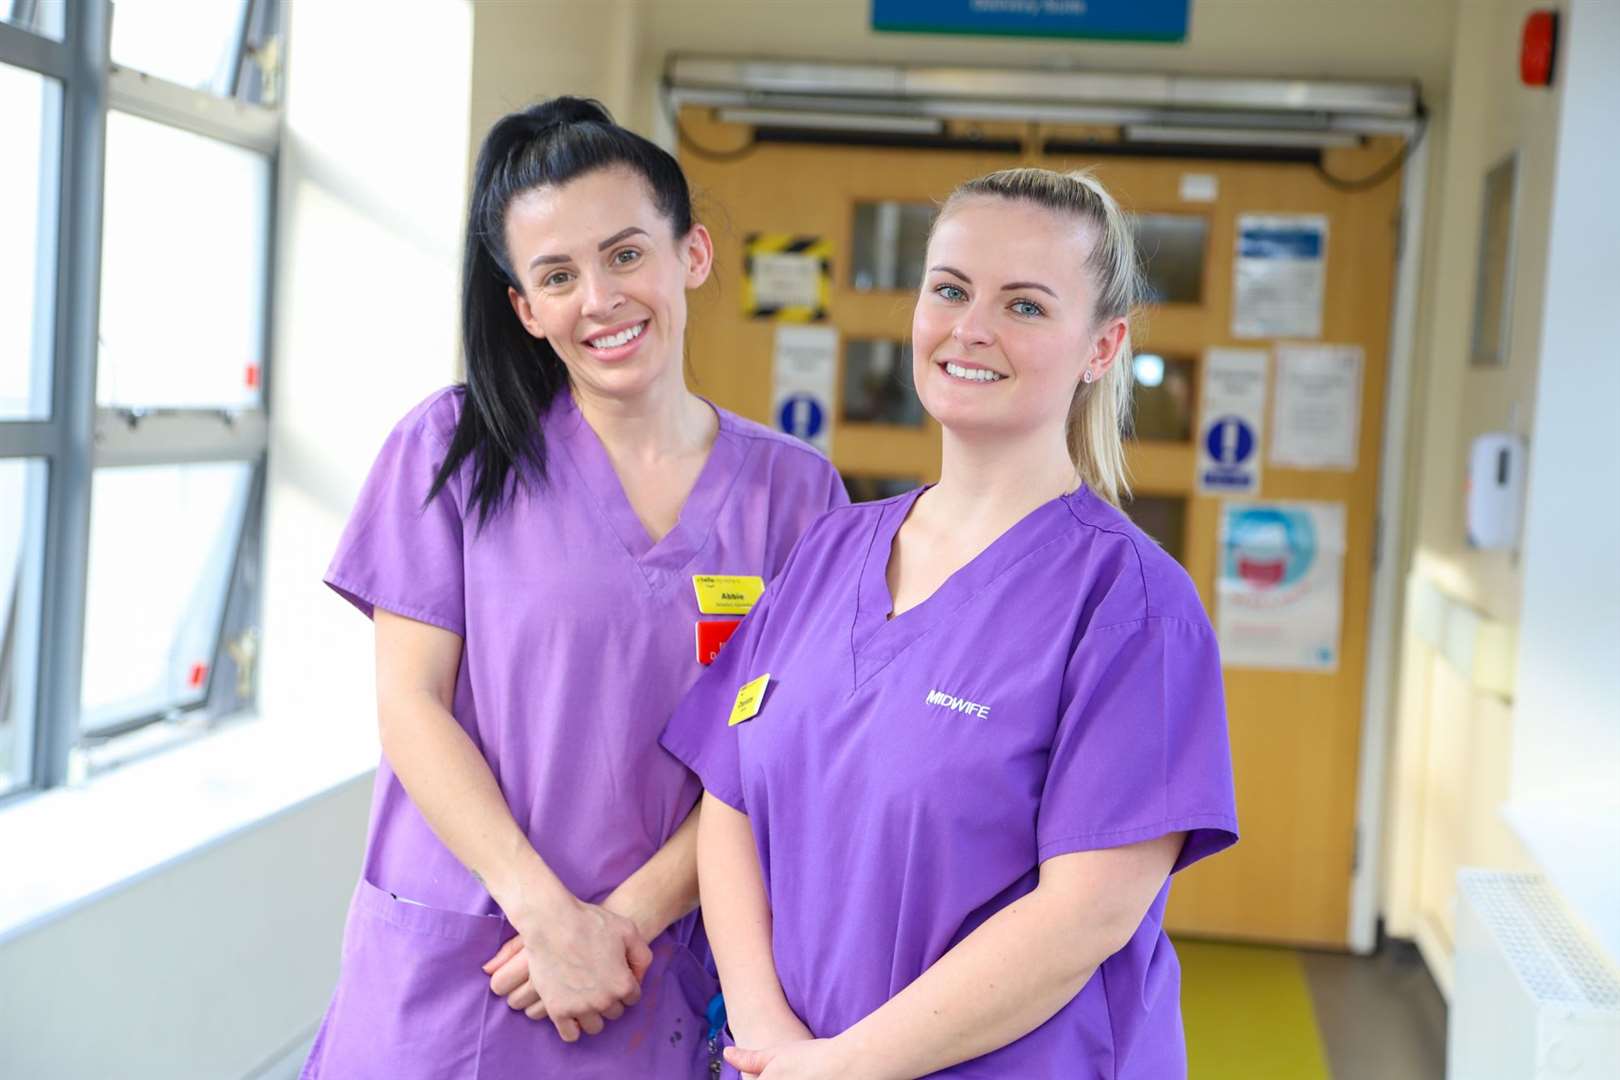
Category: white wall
[221,962]
[1566,747]
[209,968]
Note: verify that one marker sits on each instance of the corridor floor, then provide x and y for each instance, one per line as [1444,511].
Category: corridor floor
[1258,1013]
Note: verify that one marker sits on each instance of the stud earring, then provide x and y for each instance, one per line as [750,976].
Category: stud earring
[1088,377]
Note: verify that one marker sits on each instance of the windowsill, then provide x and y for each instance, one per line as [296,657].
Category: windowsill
[68,847]
[1573,840]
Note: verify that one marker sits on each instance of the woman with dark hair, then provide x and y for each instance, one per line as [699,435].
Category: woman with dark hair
[535,548]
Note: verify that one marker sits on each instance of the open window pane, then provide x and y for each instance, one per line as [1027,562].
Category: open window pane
[44,17]
[877,384]
[30,113]
[191,42]
[22,521]
[183,269]
[163,540]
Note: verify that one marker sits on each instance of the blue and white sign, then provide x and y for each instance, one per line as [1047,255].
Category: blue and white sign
[1278,276]
[1234,401]
[1279,593]
[802,416]
[1118,20]
[805,382]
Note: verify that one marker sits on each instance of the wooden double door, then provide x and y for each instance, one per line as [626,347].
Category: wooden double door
[1295,733]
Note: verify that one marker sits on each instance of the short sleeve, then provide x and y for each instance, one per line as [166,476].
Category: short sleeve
[698,732]
[1141,748]
[401,551]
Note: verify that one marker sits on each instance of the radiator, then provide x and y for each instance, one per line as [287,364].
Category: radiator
[1532,998]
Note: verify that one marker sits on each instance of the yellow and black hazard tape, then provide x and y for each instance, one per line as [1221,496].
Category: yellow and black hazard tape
[787,244]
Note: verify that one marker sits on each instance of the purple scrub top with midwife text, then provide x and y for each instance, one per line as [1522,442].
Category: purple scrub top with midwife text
[579,639]
[904,778]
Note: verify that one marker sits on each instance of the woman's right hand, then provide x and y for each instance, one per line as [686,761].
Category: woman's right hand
[778,1028]
[585,965]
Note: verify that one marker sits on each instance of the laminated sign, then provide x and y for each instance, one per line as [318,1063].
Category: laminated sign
[786,277]
[1230,432]
[1278,275]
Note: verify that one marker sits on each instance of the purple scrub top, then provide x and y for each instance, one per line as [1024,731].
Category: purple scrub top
[905,778]
[579,639]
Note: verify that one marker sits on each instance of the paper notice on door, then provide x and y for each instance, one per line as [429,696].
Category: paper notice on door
[1278,275]
[1279,593]
[1229,436]
[1316,409]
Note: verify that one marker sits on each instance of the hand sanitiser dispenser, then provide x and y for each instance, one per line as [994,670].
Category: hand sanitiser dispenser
[1495,490]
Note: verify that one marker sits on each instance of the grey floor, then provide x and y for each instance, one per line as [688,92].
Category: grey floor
[1381,1017]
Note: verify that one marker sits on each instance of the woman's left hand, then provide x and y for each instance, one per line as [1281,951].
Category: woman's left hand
[508,969]
[818,1059]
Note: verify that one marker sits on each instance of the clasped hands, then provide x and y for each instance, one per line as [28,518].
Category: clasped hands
[579,967]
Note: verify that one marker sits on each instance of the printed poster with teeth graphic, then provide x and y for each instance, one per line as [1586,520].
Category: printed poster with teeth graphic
[1280,589]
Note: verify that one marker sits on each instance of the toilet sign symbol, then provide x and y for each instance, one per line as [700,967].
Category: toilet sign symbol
[802,415]
[1230,441]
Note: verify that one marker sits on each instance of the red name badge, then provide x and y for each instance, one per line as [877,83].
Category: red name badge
[711,634]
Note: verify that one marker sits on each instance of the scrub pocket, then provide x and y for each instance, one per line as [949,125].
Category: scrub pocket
[412,997]
[662,1036]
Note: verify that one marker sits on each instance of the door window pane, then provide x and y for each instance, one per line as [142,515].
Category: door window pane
[183,269]
[891,239]
[1161,398]
[190,42]
[163,540]
[30,111]
[877,384]
[873,488]
[22,520]
[41,16]
[1171,247]
[1164,518]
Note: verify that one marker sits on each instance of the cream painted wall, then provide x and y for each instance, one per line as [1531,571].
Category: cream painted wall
[1454,751]
[1566,749]
[1491,115]
[533,49]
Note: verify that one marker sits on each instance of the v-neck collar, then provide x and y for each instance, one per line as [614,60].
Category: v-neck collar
[878,639]
[660,562]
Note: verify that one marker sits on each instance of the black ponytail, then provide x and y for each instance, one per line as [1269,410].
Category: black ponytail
[512,376]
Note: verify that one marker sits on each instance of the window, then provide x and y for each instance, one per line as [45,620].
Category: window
[877,384]
[1171,247]
[1164,518]
[891,242]
[30,123]
[874,488]
[1161,398]
[135,231]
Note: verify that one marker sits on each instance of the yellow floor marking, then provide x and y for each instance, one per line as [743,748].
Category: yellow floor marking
[1248,1014]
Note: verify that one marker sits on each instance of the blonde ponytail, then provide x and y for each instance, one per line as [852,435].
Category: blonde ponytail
[1099,411]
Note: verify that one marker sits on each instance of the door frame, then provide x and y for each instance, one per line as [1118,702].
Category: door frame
[1363,108]
[1389,571]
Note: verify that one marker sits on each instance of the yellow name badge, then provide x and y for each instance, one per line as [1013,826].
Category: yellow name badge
[748,700]
[726,594]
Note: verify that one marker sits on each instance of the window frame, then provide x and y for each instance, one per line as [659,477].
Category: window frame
[78,437]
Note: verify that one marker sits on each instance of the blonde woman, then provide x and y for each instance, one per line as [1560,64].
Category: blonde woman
[956,753]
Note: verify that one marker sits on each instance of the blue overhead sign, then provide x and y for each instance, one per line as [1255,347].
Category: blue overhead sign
[1119,20]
